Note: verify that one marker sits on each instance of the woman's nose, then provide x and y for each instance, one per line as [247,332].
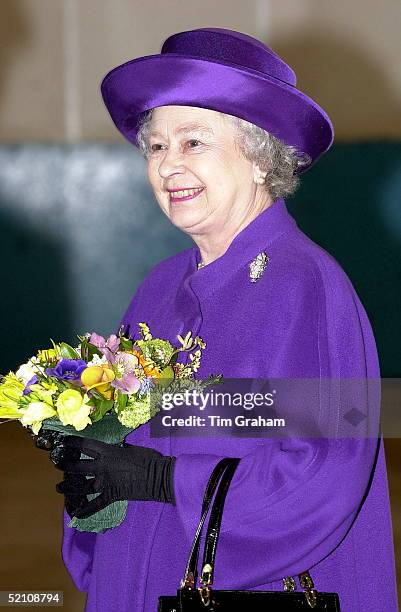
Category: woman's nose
[171,163]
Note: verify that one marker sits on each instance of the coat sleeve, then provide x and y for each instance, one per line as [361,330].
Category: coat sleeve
[292,500]
[77,553]
[78,547]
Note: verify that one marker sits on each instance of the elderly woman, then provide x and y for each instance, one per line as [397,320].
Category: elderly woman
[226,135]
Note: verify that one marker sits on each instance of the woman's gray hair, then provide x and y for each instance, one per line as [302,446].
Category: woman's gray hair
[281,162]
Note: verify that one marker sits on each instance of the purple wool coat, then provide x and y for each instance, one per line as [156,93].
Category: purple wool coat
[294,504]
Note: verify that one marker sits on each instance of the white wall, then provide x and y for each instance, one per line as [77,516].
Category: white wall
[54,53]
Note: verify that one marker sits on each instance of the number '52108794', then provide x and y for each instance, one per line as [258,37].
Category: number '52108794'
[33,598]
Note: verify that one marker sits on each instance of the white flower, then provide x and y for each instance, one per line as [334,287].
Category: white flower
[96,360]
[35,414]
[27,370]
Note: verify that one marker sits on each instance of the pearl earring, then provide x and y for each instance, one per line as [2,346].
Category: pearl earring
[260,177]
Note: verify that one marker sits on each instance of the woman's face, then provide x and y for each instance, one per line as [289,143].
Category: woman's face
[194,148]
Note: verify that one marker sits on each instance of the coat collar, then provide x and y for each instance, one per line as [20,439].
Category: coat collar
[251,240]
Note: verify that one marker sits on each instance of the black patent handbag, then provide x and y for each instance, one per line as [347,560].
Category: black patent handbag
[204,598]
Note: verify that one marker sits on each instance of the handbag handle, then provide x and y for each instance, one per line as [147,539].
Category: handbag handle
[213,528]
[221,477]
[191,574]
[212,536]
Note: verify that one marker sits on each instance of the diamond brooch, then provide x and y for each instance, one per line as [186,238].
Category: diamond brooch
[258,266]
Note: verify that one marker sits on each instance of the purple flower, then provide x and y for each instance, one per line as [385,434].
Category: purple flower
[106,347]
[146,385]
[129,383]
[126,381]
[67,369]
[31,381]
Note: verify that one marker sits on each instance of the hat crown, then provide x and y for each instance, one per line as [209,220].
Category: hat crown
[220,44]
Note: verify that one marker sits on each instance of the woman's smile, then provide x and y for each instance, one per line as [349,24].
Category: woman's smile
[183,195]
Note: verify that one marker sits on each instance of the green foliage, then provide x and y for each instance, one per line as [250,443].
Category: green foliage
[125,344]
[166,376]
[88,350]
[108,429]
[68,352]
[102,407]
[159,351]
[122,399]
[107,518]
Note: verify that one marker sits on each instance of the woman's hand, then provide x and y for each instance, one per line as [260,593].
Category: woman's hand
[52,441]
[123,472]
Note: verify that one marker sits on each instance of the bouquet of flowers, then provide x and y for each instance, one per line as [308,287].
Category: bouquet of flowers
[101,389]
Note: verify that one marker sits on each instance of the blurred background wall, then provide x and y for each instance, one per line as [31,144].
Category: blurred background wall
[80,227]
[55,52]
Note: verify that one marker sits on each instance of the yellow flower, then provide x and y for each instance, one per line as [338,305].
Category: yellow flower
[35,414]
[151,370]
[50,385]
[140,357]
[98,377]
[43,392]
[10,394]
[49,354]
[73,409]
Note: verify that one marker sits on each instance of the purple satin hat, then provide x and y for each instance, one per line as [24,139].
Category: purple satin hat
[221,70]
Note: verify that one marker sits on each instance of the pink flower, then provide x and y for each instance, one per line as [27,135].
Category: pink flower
[128,382]
[107,347]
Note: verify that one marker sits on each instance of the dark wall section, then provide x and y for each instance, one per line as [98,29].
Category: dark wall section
[80,229]
[350,203]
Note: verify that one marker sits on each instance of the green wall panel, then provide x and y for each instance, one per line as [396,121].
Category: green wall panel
[80,229]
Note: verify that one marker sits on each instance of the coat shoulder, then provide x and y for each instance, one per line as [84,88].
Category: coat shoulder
[316,286]
[305,262]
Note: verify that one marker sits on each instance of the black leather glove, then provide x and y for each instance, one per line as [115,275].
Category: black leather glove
[53,442]
[123,472]
[48,439]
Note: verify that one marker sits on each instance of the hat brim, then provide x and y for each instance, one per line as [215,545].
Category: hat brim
[173,79]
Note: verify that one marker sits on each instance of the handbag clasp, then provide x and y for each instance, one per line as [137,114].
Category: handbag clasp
[206,581]
[307,584]
[289,584]
[205,595]
[189,581]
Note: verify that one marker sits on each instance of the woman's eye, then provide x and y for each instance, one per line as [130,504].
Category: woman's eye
[193,140]
[155,147]
[193,143]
